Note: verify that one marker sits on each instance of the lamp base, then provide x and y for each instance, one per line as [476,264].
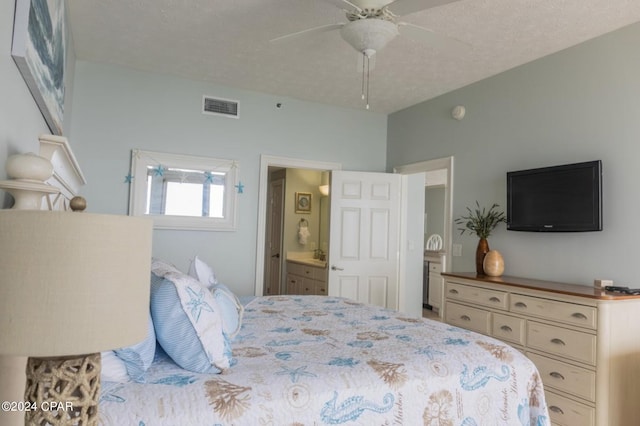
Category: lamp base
[63,390]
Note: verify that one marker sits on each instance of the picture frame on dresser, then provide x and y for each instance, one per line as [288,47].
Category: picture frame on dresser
[39,49]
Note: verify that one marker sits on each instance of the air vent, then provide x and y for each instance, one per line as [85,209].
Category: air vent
[217,106]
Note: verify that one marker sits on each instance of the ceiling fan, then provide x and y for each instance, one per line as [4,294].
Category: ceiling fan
[372,24]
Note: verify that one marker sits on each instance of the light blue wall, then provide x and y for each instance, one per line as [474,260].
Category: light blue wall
[577,105]
[117,109]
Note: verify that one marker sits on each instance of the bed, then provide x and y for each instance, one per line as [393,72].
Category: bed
[318,360]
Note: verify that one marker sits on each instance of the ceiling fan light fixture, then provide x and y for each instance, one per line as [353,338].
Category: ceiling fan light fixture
[369,36]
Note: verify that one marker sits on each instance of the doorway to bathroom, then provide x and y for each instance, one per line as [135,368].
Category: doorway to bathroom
[305,177]
[297,227]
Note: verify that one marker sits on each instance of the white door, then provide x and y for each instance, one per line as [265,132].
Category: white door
[412,245]
[364,243]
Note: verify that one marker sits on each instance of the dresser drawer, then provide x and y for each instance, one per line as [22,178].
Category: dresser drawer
[478,296]
[435,267]
[469,318]
[511,329]
[564,377]
[566,412]
[568,313]
[561,341]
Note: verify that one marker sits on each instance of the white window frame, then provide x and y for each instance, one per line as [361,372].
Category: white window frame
[142,160]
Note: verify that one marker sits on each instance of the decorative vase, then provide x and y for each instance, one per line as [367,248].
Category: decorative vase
[493,263]
[481,251]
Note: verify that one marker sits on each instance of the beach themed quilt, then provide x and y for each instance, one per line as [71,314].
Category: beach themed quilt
[317,360]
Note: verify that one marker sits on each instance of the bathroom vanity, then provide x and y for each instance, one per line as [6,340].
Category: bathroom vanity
[306,276]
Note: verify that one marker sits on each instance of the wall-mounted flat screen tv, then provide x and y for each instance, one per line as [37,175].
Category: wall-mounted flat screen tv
[566,198]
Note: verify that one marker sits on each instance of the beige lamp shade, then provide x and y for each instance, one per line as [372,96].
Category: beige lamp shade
[72,283]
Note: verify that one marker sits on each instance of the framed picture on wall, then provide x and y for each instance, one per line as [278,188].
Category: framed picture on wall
[303,202]
[39,50]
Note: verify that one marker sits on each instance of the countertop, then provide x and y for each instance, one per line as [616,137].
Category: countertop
[309,262]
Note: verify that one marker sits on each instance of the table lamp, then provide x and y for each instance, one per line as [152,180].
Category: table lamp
[72,284]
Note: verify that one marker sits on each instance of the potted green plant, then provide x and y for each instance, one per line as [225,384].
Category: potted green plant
[481,222]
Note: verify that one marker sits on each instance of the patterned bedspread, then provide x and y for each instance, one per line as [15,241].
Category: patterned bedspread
[315,360]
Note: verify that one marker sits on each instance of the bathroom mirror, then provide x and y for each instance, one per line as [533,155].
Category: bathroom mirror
[434,213]
[183,191]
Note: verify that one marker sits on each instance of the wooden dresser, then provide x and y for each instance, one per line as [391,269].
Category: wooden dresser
[585,342]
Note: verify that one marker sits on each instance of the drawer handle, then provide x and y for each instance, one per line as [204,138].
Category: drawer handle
[465,318]
[579,315]
[556,375]
[453,291]
[506,328]
[558,341]
[494,299]
[521,305]
[556,409]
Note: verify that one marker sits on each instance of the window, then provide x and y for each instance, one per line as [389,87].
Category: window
[184,192]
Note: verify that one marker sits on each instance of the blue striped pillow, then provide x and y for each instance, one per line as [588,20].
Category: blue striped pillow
[188,324]
[138,358]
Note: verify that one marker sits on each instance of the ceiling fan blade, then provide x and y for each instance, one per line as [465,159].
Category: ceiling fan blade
[405,7]
[340,4]
[307,32]
[438,40]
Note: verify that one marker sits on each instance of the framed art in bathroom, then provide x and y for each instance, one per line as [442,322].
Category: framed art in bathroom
[303,202]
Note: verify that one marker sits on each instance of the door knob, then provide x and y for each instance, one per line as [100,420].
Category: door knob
[277,255]
[335,268]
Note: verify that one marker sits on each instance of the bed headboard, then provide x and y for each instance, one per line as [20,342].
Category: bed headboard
[56,191]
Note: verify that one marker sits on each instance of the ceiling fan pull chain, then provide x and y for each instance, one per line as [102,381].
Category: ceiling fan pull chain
[364,58]
[368,79]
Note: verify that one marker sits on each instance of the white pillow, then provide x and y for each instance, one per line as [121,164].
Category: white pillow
[161,268]
[231,309]
[188,324]
[113,368]
[202,272]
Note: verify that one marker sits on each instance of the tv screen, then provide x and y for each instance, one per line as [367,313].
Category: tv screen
[566,198]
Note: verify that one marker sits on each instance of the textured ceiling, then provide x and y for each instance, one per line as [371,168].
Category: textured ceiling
[227,42]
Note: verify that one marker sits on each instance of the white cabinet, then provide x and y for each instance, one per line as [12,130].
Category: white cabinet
[436,285]
[306,279]
[435,261]
[584,342]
